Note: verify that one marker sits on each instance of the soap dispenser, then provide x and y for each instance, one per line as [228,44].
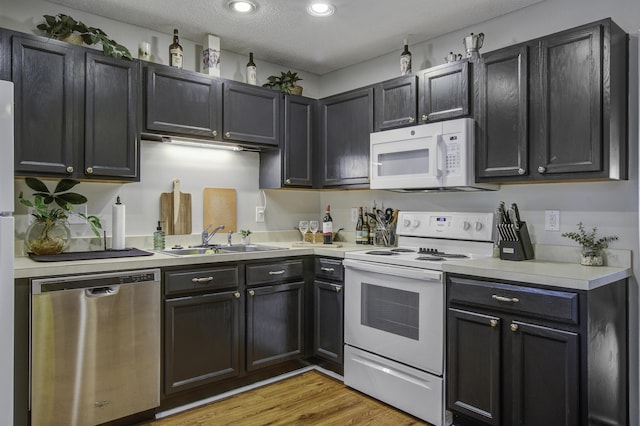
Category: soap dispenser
[158,237]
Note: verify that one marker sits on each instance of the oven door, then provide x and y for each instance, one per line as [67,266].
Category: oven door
[395,312]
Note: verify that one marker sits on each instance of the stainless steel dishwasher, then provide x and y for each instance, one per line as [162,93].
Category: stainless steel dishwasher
[95,347]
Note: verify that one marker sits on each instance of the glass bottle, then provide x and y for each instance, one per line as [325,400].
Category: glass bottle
[175,51]
[359,225]
[405,60]
[251,71]
[327,227]
[158,238]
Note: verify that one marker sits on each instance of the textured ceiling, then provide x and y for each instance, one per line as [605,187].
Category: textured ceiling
[281,31]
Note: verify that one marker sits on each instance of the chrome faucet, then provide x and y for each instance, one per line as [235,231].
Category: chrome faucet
[229,238]
[206,236]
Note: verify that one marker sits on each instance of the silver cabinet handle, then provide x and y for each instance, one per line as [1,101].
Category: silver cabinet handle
[288,181]
[505,299]
[252,293]
[237,295]
[327,269]
[214,133]
[425,117]
[69,169]
[521,171]
[542,169]
[280,272]
[411,119]
[227,135]
[201,280]
[514,327]
[493,323]
[337,288]
[90,170]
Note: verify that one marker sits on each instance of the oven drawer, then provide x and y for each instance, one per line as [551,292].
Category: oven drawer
[267,273]
[210,279]
[330,269]
[534,302]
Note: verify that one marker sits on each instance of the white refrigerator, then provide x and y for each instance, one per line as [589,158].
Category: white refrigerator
[6,252]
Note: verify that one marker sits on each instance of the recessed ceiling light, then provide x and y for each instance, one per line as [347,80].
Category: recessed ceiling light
[242,6]
[321,9]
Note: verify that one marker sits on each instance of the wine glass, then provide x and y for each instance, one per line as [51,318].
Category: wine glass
[303,226]
[313,227]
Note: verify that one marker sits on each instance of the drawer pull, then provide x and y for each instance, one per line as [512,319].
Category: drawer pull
[327,269]
[514,327]
[237,294]
[493,323]
[505,299]
[201,280]
[252,293]
[338,288]
[280,272]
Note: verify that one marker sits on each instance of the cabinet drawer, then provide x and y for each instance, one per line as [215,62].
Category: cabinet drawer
[274,272]
[330,269]
[177,282]
[534,302]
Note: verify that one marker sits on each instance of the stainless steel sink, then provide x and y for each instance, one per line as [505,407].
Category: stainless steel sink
[242,248]
[192,251]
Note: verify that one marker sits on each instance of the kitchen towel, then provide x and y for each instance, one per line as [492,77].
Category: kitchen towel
[117,226]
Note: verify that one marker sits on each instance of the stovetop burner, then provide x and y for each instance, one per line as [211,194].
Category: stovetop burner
[432,258]
[381,252]
[403,250]
[436,252]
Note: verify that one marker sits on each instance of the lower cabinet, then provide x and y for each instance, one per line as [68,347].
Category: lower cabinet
[524,355]
[328,312]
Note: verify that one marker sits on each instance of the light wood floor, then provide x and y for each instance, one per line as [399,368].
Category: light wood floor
[311,398]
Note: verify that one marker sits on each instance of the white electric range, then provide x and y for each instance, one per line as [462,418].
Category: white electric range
[395,309]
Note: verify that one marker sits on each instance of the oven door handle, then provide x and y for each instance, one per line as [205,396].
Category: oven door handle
[415,273]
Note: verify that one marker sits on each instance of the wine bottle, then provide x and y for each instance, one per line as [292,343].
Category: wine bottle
[372,226]
[359,226]
[175,51]
[405,60]
[365,228]
[251,70]
[327,227]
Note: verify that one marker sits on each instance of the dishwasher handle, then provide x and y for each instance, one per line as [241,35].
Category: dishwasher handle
[102,291]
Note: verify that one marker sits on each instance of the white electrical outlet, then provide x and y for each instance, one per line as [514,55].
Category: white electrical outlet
[259,214]
[354,214]
[551,220]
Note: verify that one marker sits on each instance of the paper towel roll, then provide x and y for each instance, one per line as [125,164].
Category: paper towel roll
[117,233]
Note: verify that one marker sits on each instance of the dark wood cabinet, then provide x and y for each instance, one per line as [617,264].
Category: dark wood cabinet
[555,108]
[524,354]
[328,312]
[444,91]
[346,121]
[183,103]
[396,103]
[292,164]
[5,55]
[251,114]
[76,111]
[202,327]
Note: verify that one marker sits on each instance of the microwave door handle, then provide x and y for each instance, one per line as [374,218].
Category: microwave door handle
[441,152]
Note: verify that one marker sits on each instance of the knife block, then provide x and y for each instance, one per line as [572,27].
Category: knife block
[518,249]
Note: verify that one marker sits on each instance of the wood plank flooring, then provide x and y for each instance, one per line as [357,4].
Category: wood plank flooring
[311,398]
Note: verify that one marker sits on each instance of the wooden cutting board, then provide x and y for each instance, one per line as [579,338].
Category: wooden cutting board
[175,211]
[220,208]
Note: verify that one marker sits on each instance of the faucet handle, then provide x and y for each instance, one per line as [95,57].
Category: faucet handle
[229,237]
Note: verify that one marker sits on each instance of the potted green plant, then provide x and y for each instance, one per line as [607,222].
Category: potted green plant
[244,234]
[592,247]
[286,83]
[49,233]
[65,28]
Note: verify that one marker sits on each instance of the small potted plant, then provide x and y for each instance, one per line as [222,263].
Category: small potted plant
[286,83]
[65,28]
[592,248]
[49,233]
[245,236]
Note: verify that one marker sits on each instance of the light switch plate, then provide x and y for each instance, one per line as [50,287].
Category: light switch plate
[259,214]
[551,220]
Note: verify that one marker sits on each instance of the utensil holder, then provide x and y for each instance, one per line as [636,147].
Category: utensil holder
[515,243]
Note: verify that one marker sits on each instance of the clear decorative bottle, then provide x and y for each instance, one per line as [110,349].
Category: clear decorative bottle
[175,51]
[158,238]
[251,71]
[405,60]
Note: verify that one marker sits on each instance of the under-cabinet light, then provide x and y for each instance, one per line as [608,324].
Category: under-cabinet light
[200,144]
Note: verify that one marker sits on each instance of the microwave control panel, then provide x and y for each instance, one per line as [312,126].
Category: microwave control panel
[453,159]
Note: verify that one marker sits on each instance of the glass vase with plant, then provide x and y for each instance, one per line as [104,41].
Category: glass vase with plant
[592,247]
[245,235]
[49,233]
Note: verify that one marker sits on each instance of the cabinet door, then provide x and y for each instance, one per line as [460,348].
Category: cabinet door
[346,123]
[251,114]
[275,324]
[474,365]
[299,114]
[183,102]
[444,91]
[502,139]
[48,113]
[111,117]
[568,99]
[545,371]
[396,103]
[328,321]
[5,55]
[201,340]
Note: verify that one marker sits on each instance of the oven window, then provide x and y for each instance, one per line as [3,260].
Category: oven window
[403,163]
[391,310]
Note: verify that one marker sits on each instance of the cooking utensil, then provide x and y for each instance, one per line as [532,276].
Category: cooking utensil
[175,210]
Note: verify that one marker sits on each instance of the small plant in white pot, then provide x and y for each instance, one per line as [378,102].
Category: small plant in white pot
[245,235]
[592,247]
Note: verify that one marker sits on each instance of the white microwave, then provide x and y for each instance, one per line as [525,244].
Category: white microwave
[434,156]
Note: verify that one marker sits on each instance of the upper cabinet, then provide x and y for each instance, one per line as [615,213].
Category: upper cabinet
[570,119]
[5,56]
[76,111]
[444,91]
[251,114]
[396,103]
[183,103]
[346,121]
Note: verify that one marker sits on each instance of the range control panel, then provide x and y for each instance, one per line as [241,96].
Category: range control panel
[460,226]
